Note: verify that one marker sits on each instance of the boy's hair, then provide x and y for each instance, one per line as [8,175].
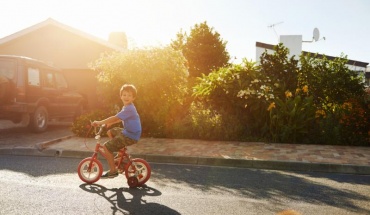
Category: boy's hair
[128,88]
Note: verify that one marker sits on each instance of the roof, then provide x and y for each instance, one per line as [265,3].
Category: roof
[53,22]
[350,62]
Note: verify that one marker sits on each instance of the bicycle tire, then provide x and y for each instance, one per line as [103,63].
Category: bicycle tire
[143,168]
[95,172]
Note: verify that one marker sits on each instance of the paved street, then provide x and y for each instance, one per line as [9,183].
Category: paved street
[49,185]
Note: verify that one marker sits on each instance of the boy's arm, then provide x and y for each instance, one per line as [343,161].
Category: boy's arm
[110,124]
[108,121]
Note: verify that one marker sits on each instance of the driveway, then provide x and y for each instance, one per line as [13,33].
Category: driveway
[13,135]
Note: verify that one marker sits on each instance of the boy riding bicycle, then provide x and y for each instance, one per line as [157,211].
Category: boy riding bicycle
[127,136]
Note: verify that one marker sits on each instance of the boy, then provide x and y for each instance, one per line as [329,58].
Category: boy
[120,138]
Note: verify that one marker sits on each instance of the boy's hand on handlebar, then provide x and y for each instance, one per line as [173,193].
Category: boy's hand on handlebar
[95,123]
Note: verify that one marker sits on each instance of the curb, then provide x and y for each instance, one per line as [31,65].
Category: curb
[43,145]
[41,149]
[206,161]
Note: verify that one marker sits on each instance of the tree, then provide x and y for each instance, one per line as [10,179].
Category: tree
[281,70]
[204,50]
[160,76]
[330,81]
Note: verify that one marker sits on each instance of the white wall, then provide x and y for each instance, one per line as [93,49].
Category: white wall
[293,43]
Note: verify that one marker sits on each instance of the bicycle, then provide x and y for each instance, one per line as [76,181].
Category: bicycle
[136,170]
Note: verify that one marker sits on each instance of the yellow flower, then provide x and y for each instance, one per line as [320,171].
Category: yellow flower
[305,89]
[271,106]
[320,113]
[347,106]
[297,91]
[288,94]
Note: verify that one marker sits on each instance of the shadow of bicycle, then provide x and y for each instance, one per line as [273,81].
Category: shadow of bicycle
[132,205]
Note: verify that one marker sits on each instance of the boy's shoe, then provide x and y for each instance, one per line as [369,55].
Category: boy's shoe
[109,175]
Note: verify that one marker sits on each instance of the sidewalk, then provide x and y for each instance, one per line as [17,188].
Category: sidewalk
[297,157]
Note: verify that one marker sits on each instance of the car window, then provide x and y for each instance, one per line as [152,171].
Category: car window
[33,76]
[61,81]
[7,69]
[49,79]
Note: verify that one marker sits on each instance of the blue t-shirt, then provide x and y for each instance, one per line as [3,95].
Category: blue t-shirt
[131,121]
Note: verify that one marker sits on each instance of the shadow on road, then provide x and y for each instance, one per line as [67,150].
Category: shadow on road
[313,188]
[260,184]
[130,200]
[341,178]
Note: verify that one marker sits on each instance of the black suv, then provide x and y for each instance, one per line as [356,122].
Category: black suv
[33,91]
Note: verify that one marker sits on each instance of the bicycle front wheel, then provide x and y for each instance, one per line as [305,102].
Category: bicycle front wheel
[90,170]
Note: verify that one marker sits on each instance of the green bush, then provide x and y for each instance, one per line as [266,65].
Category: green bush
[279,100]
[327,129]
[81,127]
[238,94]
[355,122]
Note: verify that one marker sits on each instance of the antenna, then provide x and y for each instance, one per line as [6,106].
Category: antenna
[315,37]
[273,28]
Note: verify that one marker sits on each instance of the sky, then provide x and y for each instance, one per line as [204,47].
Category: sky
[345,24]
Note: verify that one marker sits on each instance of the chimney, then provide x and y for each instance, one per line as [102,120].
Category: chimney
[118,39]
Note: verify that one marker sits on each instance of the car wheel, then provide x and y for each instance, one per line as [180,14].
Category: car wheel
[39,119]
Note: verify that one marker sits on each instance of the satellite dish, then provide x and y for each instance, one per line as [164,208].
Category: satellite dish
[316,34]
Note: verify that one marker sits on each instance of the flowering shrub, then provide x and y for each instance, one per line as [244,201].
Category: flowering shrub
[355,120]
[291,118]
[283,102]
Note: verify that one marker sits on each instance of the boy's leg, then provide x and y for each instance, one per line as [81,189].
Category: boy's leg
[114,145]
[110,147]
[110,159]
[114,132]
[109,133]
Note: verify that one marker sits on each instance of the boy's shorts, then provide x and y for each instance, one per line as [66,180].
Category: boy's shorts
[118,141]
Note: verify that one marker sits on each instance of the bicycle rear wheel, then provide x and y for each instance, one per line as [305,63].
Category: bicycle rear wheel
[141,171]
[90,170]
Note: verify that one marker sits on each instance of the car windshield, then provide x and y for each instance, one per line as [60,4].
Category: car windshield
[7,69]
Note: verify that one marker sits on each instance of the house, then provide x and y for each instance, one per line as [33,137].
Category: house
[367,76]
[66,48]
[294,44]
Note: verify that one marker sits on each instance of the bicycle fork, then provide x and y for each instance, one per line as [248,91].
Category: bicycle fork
[94,158]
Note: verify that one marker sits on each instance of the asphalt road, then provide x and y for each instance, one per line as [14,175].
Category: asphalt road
[50,185]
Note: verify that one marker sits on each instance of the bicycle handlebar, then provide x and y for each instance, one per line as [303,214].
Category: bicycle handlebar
[97,134]
[100,129]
